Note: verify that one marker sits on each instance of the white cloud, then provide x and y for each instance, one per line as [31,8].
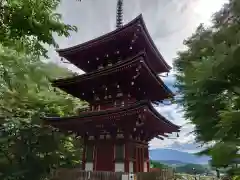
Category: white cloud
[186,137]
[174,113]
[169,23]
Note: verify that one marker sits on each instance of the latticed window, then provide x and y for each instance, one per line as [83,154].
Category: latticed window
[119,152]
[89,153]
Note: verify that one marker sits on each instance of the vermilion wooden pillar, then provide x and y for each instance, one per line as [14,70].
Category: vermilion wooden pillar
[148,164]
[95,157]
[136,160]
[126,161]
[84,156]
[139,159]
[104,150]
[142,158]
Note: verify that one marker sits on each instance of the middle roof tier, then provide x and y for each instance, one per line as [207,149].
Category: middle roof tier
[132,78]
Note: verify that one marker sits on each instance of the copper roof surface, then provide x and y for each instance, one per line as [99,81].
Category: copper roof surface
[157,61]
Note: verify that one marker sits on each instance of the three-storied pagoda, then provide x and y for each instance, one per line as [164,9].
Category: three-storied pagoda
[120,83]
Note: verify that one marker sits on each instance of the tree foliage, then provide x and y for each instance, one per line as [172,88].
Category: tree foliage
[156,164]
[29,24]
[29,149]
[25,88]
[192,169]
[208,79]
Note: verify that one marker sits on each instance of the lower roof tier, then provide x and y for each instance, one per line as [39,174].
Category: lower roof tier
[139,121]
[132,76]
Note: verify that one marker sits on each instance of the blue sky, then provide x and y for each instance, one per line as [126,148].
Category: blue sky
[169,22]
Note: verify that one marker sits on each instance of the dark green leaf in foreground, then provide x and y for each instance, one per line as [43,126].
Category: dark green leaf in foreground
[208,78]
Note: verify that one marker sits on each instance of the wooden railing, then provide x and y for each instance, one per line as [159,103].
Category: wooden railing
[77,174]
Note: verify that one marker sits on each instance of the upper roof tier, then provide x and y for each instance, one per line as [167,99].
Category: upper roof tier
[132,77]
[116,46]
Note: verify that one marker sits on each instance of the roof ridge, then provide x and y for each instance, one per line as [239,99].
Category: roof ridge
[82,45]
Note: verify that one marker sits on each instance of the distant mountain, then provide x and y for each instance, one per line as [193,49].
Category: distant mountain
[173,163]
[177,157]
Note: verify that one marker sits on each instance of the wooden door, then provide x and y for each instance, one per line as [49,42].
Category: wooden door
[104,157]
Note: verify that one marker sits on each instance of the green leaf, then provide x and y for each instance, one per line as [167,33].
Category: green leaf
[208,79]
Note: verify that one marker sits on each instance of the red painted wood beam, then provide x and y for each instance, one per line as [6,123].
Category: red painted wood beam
[126,162]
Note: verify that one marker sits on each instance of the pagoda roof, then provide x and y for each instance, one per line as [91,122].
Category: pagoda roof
[118,116]
[134,33]
[147,85]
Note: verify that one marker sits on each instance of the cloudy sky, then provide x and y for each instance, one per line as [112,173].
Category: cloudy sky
[169,23]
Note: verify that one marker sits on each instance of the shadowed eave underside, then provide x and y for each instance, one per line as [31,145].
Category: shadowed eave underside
[153,87]
[95,116]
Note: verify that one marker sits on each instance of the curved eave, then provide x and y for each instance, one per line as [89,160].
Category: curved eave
[159,80]
[152,44]
[92,75]
[94,114]
[89,116]
[160,117]
[97,72]
[109,36]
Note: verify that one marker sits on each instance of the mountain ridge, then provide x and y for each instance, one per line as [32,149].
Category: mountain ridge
[168,155]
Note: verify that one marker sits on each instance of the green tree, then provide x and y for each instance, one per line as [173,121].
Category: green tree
[29,24]
[29,150]
[191,169]
[208,79]
[156,164]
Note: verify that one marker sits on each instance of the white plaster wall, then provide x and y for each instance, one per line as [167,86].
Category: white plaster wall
[130,166]
[89,166]
[145,167]
[119,167]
